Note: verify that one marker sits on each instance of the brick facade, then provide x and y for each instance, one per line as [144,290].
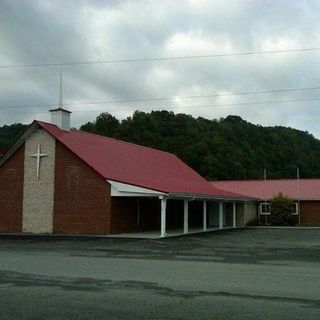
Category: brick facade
[82,198]
[11,192]
[310,211]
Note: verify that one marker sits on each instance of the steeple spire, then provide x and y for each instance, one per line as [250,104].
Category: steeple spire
[61,91]
[60,116]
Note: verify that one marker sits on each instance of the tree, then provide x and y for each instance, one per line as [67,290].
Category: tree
[9,133]
[281,208]
[105,124]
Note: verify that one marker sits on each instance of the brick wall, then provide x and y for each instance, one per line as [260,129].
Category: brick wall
[310,211]
[124,214]
[11,192]
[82,200]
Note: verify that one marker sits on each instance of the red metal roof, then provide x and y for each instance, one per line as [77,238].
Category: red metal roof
[134,164]
[309,188]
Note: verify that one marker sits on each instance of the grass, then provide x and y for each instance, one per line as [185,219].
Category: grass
[308,224]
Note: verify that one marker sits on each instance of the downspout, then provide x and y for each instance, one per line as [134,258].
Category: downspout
[298,181]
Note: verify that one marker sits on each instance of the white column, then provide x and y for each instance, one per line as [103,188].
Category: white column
[234,214]
[185,218]
[163,217]
[220,215]
[204,215]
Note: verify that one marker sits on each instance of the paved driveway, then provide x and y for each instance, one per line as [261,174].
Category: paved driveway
[237,274]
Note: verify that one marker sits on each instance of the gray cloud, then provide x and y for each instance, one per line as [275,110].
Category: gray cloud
[67,31]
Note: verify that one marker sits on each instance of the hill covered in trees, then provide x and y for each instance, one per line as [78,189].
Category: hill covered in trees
[229,148]
[8,134]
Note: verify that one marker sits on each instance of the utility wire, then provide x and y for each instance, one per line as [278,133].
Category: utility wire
[216,105]
[187,107]
[165,98]
[155,59]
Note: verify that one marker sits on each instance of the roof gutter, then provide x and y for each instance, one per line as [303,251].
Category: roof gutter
[192,197]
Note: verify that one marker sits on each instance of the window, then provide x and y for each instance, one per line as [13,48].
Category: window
[265,208]
[295,210]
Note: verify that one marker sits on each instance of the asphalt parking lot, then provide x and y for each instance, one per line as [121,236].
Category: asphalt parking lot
[235,274]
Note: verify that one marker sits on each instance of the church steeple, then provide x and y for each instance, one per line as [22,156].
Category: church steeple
[61,91]
[60,116]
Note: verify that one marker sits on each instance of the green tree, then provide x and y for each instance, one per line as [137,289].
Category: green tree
[105,124]
[9,133]
[281,208]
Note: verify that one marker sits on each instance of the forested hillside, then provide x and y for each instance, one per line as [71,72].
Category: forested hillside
[229,148]
[8,134]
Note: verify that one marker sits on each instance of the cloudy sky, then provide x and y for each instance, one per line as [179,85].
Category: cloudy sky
[53,32]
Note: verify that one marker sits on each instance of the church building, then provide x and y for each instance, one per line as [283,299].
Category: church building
[59,180]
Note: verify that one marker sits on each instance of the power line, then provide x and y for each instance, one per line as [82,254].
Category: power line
[187,107]
[55,64]
[166,98]
[217,105]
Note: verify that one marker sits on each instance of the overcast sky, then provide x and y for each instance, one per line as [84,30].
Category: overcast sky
[40,32]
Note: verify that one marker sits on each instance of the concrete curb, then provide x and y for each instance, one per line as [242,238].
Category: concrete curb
[80,237]
[281,227]
[52,237]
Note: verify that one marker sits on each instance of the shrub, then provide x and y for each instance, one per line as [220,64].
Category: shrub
[281,208]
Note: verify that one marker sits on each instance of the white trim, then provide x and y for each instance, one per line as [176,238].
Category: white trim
[260,209]
[119,189]
[220,215]
[185,217]
[163,217]
[297,209]
[234,220]
[204,215]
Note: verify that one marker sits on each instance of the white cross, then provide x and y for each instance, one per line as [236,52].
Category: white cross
[38,155]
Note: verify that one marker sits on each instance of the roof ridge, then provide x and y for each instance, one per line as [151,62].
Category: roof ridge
[50,124]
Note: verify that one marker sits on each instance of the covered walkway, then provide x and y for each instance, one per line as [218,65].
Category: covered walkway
[143,213]
[217,218]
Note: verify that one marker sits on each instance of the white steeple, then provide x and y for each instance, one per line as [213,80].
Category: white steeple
[60,116]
